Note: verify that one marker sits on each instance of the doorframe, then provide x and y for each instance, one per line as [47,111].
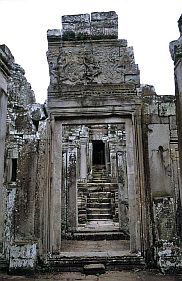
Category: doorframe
[133,184]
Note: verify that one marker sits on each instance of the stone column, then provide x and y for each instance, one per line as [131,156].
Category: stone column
[72,215]
[90,160]
[5,59]
[178,93]
[132,192]
[113,163]
[56,188]
[176,54]
[83,159]
[3,108]
[122,191]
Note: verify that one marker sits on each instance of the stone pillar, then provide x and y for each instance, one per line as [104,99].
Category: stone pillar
[83,159]
[3,108]
[64,188]
[56,188]
[132,188]
[90,160]
[107,157]
[72,213]
[176,54]
[122,192]
[178,93]
[113,163]
[5,57]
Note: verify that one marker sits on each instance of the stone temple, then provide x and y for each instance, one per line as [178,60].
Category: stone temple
[93,175]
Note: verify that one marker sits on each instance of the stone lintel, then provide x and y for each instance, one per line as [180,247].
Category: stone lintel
[94,100]
[96,88]
[61,113]
[55,40]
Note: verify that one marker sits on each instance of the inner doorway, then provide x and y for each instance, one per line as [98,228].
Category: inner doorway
[98,156]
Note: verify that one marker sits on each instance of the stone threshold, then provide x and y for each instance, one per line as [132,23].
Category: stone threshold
[112,260]
[96,254]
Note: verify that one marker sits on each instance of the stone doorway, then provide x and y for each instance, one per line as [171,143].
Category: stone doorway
[94,183]
[98,156]
[76,181]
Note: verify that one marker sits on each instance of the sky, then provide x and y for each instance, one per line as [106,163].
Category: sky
[148,26]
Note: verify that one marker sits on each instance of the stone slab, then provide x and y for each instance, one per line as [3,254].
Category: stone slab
[97,268]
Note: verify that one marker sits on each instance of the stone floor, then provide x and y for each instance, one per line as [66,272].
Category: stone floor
[108,276]
[100,225]
[95,246]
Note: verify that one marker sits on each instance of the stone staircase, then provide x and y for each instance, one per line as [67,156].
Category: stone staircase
[112,260]
[99,205]
[3,264]
[98,238]
[99,174]
[100,197]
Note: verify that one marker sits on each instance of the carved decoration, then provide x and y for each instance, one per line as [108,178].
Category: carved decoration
[77,68]
[84,65]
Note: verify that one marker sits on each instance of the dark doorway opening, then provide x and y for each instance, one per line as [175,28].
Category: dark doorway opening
[98,152]
[14,169]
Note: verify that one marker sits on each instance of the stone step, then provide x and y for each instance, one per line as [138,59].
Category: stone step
[99,175]
[99,180]
[105,186]
[98,216]
[99,167]
[98,211]
[99,188]
[97,200]
[3,264]
[112,260]
[101,205]
[99,194]
[94,268]
[100,235]
[82,211]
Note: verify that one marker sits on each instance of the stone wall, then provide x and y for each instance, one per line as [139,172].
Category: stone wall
[6,59]
[164,180]
[25,126]
[176,54]
[80,61]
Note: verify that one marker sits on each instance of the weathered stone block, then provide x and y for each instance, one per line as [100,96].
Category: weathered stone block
[166,109]
[164,218]
[53,33]
[159,159]
[104,25]
[173,124]
[95,268]
[75,27]
[169,258]
[23,257]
